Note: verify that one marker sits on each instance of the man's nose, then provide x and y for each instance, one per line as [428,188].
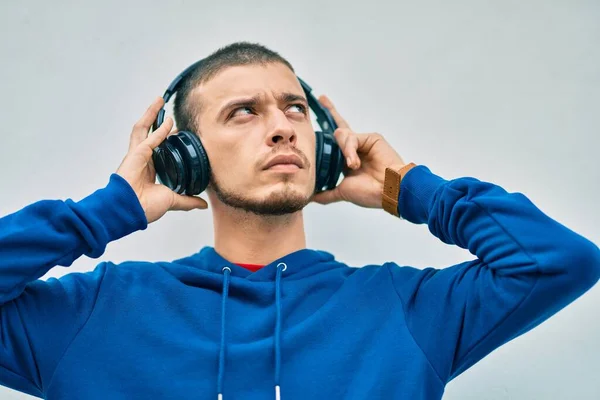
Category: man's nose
[281,130]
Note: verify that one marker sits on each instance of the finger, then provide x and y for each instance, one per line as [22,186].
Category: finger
[187,203]
[348,143]
[341,122]
[151,169]
[350,150]
[366,141]
[159,135]
[327,197]
[142,126]
[173,131]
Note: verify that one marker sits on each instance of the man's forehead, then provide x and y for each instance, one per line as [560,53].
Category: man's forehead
[248,80]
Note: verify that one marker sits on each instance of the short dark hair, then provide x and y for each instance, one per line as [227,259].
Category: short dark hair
[235,54]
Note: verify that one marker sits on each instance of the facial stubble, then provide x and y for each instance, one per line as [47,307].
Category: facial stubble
[279,202]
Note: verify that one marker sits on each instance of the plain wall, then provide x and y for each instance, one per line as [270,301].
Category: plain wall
[505,91]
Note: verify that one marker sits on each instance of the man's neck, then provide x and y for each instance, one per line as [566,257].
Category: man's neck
[243,237]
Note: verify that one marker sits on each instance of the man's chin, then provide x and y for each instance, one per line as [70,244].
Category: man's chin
[280,201]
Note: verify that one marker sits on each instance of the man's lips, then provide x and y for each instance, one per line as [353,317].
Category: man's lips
[287,161]
[284,168]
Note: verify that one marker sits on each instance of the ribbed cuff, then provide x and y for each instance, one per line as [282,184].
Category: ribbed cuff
[417,191]
[116,206]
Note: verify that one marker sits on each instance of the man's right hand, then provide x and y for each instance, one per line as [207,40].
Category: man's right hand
[137,169]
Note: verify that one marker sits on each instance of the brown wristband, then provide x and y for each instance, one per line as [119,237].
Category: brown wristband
[391,188]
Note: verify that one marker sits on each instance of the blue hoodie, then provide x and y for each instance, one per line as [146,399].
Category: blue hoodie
[305,326]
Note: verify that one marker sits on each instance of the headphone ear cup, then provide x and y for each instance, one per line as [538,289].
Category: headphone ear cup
[338,162]
[181,163]
[329,162]
[319,173]
[169,166]
[196,162]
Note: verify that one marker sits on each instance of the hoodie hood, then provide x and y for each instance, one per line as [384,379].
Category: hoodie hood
[296,265]
[301,263]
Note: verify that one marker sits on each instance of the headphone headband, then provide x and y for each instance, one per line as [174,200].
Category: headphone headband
[182,163]
[323,116]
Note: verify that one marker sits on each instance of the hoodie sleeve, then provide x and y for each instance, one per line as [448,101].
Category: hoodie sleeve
[527,268]
[39,319]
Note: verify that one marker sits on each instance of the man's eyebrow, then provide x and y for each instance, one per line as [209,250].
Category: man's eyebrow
[288,97]
[235,103]
[285,97]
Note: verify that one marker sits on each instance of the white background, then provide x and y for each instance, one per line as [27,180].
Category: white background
[505,91]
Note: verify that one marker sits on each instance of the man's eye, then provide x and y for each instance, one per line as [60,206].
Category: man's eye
[300,108]
[242,111]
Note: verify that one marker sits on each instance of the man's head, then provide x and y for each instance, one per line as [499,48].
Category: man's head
[247,106]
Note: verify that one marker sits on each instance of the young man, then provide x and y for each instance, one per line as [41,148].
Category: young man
[259,315]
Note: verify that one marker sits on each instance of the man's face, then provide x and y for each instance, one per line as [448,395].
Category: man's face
[249,115]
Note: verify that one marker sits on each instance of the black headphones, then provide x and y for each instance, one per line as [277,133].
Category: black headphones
[181,162]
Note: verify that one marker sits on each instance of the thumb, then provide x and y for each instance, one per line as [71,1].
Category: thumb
[187,203]
[328,197]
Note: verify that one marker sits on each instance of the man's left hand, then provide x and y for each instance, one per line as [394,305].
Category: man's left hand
[367,157]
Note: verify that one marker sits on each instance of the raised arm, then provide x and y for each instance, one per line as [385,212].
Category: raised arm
[528,267]
[39,319]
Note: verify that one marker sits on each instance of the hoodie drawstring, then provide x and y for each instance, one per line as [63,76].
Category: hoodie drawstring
[222,349]
[278,328]
[280,268]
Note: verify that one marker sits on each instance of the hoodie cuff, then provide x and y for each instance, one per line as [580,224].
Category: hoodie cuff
[117,208]
[417,191]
